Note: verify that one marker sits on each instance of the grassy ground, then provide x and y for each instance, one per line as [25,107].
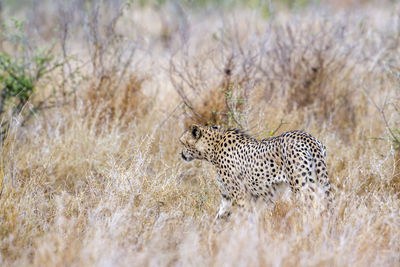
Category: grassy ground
[97,179]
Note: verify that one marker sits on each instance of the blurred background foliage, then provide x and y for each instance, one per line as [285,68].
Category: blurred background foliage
[15,5]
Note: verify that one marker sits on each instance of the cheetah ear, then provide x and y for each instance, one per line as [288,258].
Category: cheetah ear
[196,131]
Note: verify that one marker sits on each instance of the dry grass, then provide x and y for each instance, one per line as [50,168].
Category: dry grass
[99,180]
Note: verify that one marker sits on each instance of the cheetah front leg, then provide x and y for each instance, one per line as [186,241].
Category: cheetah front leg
[225,208]
[232,193]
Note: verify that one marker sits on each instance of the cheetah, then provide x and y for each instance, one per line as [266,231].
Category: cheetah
[248,168]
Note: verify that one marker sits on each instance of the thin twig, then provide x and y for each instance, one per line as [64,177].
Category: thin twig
[382,113]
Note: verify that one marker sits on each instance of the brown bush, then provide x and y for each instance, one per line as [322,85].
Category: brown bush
[222,99]
[312,65]
[307,66]
[125,102]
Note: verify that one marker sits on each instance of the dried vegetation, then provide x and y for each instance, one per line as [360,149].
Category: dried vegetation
[96,178]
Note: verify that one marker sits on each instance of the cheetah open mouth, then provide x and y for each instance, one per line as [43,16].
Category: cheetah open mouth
[186,158]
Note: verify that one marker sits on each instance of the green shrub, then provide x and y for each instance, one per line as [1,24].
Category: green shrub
[20,71]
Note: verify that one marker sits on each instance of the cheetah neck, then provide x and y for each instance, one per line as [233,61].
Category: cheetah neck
[212,156]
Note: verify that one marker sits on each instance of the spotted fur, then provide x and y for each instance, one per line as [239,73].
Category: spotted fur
[251,168]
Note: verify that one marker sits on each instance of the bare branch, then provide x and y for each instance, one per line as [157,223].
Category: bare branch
[383,116]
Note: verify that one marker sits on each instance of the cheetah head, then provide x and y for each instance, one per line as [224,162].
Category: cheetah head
[199,142]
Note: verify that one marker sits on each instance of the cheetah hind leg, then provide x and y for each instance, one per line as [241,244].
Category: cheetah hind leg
[316,188]
[306,184]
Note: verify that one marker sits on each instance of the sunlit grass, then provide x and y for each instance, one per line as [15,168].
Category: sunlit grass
[99,180]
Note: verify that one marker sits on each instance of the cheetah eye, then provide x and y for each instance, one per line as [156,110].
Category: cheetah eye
[215,127]
[196,132]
